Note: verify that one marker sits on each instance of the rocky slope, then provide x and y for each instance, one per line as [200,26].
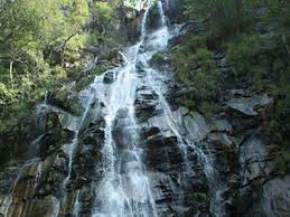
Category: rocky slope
[194,165]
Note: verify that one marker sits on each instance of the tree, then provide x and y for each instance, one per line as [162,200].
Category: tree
[224,17]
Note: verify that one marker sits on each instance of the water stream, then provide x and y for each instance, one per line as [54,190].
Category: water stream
[125,189]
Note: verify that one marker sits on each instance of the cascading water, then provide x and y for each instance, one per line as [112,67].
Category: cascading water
[125,188]
[162,14]
[76,125]
[155,81]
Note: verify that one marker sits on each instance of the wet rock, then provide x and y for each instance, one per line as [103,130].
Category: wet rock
[56,118]
[55,170]
[131,23]
[15,140]
[88,165]
[165,190]
[87,200]
[254,160]
[160,147]
[196,126]
[109,77]
[25,185]
[93,135]
[249,105]
[6,178]
[146,104]
[46,207]
[158,122]
[221,125]
[275,197]
[59,129]
[68,208]
[158,141]
[5,202]
[123,130]
[221,138]
[183,182]
[66,98]
[153,22]
[174,11]
[23,200]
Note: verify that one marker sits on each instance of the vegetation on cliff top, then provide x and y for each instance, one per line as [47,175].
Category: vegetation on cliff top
[41,46]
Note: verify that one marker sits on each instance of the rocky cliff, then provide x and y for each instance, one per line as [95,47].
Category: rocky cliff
[125,146]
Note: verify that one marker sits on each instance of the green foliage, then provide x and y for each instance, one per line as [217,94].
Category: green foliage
[17,24]
[255,35]
[6,95]
[227,18]
[36,38]
[105,12]
[278,124]
[278,12]
[223,18]
[42,45]
[242,54]
[262,61]
[196,68]
[103,24]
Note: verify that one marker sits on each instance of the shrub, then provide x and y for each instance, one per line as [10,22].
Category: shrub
[196,68]
[104,12]
[224,18]
[242,54]
[6,95]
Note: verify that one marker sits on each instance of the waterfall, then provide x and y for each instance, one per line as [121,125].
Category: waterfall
[125,188]
[143,25]
[162,14]
[154,80]
[71,148]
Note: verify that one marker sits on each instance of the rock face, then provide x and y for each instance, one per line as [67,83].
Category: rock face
[249,105]
[275,199]
[124,147]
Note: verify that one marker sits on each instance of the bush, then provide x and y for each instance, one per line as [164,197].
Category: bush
[6,95]
[242,54]
[224,18]
[104,12]
[196,68]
